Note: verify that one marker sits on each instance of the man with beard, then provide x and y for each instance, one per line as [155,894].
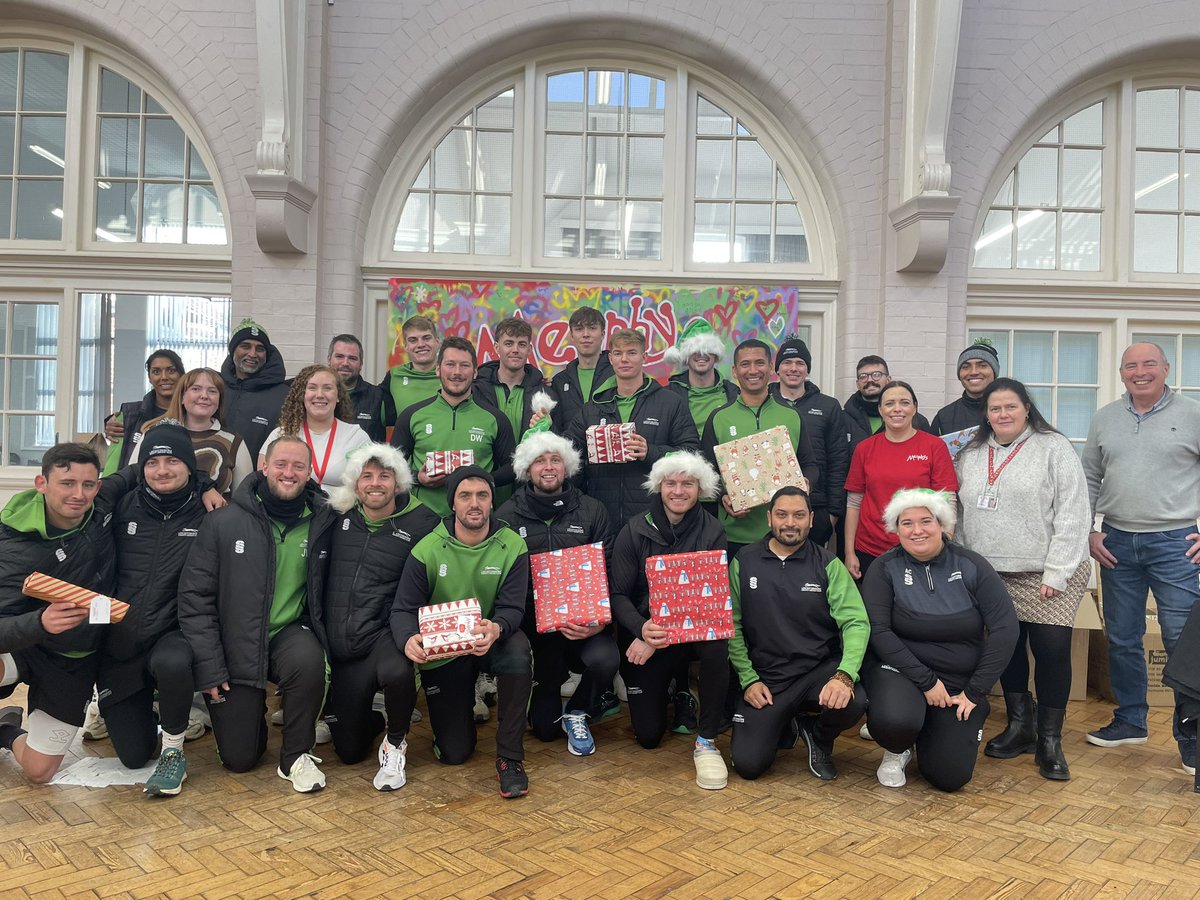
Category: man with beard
[453,420]
[380,523]
[978,366]
[417,379]
[249,605]
[346,358]
[800,632]
[700,384]
[552,514]
[862,409]
[254,385]
[471,554]
[576,383]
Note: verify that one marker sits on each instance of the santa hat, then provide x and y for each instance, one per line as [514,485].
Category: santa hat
[940,503]
[342,498]
[697,337]
[538,442]
[683,462]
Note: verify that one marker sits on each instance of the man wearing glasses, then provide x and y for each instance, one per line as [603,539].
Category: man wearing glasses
[862,409]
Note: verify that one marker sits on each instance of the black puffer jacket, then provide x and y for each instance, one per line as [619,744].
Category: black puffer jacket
[659,416]
[228,584]
[368,409]
[569,392]
[252,404]
[152,547]
[487,379]
[965,412]
[364,571]
[858,421]
[824,422]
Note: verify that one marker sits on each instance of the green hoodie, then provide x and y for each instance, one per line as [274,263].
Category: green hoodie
[26,513]
[408,386]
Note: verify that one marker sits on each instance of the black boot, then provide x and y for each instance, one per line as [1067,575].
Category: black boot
[1019,737]
[1049,757]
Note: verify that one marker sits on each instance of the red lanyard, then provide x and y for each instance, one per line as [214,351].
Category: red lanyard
[320,470]
[994,474]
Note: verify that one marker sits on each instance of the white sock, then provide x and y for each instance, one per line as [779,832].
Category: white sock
[172,741]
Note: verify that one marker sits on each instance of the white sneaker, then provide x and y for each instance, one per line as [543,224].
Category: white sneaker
[568,687]
[390,776]
[619,687]
[480,710]
[323,735]
[711,772]
[891,771]
[195,727]
[415,717]
[94,728]
[305,777]
[277,717]
[865,733]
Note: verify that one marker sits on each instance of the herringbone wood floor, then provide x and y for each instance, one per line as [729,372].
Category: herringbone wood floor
[625,822]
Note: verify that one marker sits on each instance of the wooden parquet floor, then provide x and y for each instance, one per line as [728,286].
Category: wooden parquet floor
[626,822]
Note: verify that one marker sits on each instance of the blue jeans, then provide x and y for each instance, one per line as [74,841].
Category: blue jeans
[1145,561]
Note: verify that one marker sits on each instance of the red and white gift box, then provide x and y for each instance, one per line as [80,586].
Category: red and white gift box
[443,462]
[753,468]
[447,628]
[689,595]
[609,443]
[570,587]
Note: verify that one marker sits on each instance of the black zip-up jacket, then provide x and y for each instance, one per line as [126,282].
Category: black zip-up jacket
[569,392]
[858,421]
[364,571]
[487,379]
[134,415]
[659,416]
[965,412]
[827,433]
[651,534]
[152,547]
[950,618]
[679,384]
[368,409]
[252,404]
[228,584]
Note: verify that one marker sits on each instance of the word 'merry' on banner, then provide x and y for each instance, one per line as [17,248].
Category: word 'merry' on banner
[471,309]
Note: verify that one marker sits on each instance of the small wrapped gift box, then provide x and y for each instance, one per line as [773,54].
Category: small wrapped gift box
[609,443]
[447,628]
[52,590]
[443,462]
[570,587]
[689,595]
[753,468]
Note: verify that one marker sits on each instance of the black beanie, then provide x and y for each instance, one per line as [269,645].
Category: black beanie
[793,348]
[461,474]
[248,329]
[985,352]
[168,438]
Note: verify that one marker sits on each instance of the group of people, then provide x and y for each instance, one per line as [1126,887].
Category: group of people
[307,569]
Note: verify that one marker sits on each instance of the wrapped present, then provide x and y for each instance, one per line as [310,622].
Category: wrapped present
[447,628]
[52,590]
[956,440]
[570,587]
[689,595]
[443,462]
[753,468]
[609,443]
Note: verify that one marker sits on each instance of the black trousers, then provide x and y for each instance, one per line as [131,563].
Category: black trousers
[296,664]
[756,732]
[450,696]
[899,718]
[554,657]
[127,697]
[1051,645]
[352,686]
[647,687]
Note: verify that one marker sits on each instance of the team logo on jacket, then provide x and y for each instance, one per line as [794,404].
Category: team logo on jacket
[188,532]
[239,546]
[754,582]
[131,528]
[522,532]
[345,524]
[304,549]
[815,412]
[810,588]
[442,570]
[107,519]
[572,529]
[259,420]
[137,437]
[60,554]
[402,534]
[733,431]
[404,380]
[650,421]
[908,579]
[567,386]
[429,428]
[603,420]
[954,576]
[490,570]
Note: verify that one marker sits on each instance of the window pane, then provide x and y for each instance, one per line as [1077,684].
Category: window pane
[1078,358]
[8,127]
[497,112]
[412,234]
[493,225]
[782,191]
[643,229]
[606,101]
[1086,126]
[711,119]
[43,145]
[644,167]
[1155,243]
[197,171]
[564,102]
[118,147]
[35,329]
[752,232]
[116,210]
[6,188]
[1189,369]
[711,241]
[36,202]
[999,340]
[1004,196]
[791,243]
[1043,399]
[1037,177]
[29,437]
[1081,177]
[164,149]
[451,223]
[153,107]
[3,341]
[1191,244]
[603,165]
[118,94]
[1156,181]
[1191,119]
[1158,118]
[1076,406]
[31,384]
[205,221]
[8,80]
[647,103]
[1191,181]
[562,228]
[714,162]
[993,250]
[564,164]
[1033,356]
[422,179]
[162,213]
[1036,231]
[452,162]
[495,161]
[44,82]
[1080,242]
[602,229]
[755,172]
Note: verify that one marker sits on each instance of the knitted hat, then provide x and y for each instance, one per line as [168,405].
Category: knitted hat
[168,438]
[793,348]
[937,502]
[461,474]
[983,351]
[535,444]
[248,329]
[343,497]
[697,337]
[683,462]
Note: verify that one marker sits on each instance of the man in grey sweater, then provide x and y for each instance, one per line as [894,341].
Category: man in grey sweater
[1142,463]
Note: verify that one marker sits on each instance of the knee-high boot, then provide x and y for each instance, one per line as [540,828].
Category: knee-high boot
[1049,757]
[1020,736]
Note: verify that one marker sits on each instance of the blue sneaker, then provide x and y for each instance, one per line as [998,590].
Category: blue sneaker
[169,775]
[1116,733]
[579,736]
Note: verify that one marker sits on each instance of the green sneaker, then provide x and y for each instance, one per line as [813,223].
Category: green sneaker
[169,775]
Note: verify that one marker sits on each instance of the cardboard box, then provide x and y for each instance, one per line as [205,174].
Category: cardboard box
[609,443]
[570,586]
[754,467]
[689,595]
[1100,680]
[446,628]
[443,462]
[1087,623]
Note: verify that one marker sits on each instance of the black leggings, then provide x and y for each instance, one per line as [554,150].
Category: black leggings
[450,696]
[352,686]
[756,732]
[1051,645]
[554,656]
[130,720]
[899,718]
[647,687]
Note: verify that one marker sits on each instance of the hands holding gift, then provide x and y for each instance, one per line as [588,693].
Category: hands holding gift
[654,637]
[60,617]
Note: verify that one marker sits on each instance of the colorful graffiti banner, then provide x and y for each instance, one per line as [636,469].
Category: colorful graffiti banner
[471,309]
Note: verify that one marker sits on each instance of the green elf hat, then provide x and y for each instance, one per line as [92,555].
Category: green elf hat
[697,337]
[543,403]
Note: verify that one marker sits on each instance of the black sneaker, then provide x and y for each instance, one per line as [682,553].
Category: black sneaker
[1187,755]
[820,759]
[12,715]
[513,780]
[609,705]
[789,735]
[686,721]
[1116,733]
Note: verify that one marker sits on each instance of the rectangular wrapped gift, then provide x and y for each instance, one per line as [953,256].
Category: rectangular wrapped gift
[570,587]
[609,443]
[753,468]
[443,462]
[446,628]
[689,595]
[52,590]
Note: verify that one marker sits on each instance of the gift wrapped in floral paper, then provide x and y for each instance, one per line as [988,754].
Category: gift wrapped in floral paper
[754,467]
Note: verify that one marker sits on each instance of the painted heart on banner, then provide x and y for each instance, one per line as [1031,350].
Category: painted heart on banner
[723,315]
[739,336]
[768,308]
[776,325]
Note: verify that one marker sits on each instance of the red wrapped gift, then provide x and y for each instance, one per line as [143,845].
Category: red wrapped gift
[754,467]
[446,628]
[52,590]
[570,587]
[609,443]
[689,595]
[443,462]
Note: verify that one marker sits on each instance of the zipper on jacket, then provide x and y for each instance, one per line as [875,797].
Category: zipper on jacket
[929,577]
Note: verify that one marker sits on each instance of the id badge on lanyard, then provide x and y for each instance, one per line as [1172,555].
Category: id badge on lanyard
[989,497]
